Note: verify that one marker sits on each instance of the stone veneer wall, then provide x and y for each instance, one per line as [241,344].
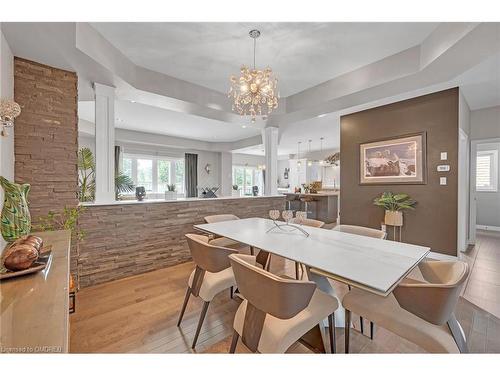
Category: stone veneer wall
[46,137]
[127,239]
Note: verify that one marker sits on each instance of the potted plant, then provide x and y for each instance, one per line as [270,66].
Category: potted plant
[170,194]
[394,205]
[235,192]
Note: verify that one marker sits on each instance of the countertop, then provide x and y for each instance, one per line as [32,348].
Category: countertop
[178,200]
[34,315]
[320,194]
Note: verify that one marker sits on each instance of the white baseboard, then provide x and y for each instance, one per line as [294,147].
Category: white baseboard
[488,227]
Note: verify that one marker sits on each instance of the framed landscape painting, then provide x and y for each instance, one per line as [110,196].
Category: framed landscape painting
[398,160]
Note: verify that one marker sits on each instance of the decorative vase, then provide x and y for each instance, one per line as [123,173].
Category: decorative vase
[394,218]
[16,219]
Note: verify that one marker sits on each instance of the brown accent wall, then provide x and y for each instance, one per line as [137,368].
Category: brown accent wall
[46,137]
[127,239]
[434,222]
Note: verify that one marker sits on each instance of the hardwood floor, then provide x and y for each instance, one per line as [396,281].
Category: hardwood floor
[139,314]
[483,287]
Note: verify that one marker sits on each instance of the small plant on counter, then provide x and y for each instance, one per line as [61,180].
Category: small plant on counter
[171,187]
[123,184]
[67,219]
[394,204]
[235,187]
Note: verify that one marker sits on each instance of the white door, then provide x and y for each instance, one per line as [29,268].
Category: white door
[472,193]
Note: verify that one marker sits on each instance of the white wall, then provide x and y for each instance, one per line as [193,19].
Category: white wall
[248,160]
[488,203]
[485,123]
[6,92]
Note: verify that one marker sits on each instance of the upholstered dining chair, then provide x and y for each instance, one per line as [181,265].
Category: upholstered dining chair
[308,223]
[362,231]
[367,232]
[421,311]
[223,241]
[212,275]
[276,312]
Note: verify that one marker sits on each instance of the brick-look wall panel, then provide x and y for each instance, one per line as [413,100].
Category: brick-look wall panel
[46,137]
[128,239]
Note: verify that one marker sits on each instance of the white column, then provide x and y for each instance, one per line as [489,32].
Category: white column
[226,174]
[104,143]
[270,140]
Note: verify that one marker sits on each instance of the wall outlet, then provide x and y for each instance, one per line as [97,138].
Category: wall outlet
[442,180]
[444,156]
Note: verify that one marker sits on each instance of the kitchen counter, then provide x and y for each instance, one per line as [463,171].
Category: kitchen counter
[324,205]
[34,314]
[178,200]
[318,194]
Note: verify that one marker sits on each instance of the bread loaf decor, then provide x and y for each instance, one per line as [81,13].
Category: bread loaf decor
[22,253]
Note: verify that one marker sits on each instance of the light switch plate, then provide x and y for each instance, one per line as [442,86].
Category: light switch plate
[443,168]
[444,156]
[442,180]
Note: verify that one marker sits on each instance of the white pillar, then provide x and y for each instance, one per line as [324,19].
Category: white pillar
[104,143]
[270,140]
[226,174]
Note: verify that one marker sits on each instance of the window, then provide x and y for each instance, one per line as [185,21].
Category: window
[247,177]
[154,172]
[487,170]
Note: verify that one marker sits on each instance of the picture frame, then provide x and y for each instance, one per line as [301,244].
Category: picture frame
[399,160]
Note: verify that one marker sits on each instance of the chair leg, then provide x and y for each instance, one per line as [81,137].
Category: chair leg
[372,326]
[268,266]
[186,299]
[234,341]
[331,331]
[231,292]
[362,326]
[200,323]
[296,271]
[347,330]
[252,251]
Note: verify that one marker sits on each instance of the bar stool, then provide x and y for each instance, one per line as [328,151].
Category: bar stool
[289,202]
[306,202]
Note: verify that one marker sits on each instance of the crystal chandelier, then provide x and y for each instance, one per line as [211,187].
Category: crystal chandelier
[255,92]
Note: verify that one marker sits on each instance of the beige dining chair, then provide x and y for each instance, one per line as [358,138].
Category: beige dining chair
[212,275]
[367,232]
[421,311]
[362,231]
[224,241]
[276,311]
[308,223]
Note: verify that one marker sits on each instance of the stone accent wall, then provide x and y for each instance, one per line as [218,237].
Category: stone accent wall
[127,239]
[46,137]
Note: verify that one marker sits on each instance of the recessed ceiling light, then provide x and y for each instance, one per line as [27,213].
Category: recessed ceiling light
[132,101]
[322,115]
[243,126]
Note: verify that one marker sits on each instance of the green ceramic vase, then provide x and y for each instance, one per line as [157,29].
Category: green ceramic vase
[16,219]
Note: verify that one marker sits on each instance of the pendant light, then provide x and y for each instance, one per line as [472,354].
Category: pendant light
[298,154]
[321,162]
[309,163]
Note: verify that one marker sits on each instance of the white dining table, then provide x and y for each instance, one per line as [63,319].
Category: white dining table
[372,264]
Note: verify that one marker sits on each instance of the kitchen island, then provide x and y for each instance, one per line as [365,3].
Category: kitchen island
[320,206]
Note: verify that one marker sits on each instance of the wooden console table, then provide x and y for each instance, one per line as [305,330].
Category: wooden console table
[34,315]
